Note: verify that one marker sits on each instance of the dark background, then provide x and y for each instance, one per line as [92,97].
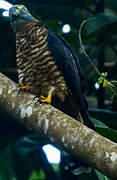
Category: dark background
[100,42]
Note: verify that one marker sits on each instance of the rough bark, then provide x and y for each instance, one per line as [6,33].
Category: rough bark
[66,132]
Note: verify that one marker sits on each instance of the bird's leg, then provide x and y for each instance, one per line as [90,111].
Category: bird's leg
[22,87]
[21,80]
[49,97]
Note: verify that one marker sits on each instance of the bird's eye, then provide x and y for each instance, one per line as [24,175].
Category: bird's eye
[24,10]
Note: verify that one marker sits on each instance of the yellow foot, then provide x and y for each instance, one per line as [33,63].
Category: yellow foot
[22,86]
[47,100]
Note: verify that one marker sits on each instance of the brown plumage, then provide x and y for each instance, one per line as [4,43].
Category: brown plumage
[36,65]
[48,67]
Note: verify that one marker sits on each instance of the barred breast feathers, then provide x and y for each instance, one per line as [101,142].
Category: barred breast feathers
[35,59]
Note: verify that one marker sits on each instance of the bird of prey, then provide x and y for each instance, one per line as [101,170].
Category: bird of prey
[47,66]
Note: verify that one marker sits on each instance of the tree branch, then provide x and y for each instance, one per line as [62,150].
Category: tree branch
[66,132]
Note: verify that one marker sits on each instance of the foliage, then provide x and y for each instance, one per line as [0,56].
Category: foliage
[21,154]
[101,23]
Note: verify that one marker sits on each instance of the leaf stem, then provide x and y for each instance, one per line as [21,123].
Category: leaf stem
[110,85]
[82,47]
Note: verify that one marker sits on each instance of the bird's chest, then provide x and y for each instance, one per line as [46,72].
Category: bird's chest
[37,64]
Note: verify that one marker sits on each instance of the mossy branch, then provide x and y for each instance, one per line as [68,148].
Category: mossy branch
[63,130]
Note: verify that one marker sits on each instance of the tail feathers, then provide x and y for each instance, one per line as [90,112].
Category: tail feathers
[87,121]
[73,165]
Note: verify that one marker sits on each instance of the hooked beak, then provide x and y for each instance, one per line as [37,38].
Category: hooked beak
[15,12]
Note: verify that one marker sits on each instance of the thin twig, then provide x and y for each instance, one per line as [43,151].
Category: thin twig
[82,47]
[109,84]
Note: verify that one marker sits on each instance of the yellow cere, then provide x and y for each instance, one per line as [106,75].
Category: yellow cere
[17,10]
[20,7]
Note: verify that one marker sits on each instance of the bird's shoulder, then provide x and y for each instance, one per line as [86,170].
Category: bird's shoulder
[65,57]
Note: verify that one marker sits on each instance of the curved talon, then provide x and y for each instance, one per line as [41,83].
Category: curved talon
[47,100]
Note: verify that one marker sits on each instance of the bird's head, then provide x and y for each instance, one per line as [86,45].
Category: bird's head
[19,17]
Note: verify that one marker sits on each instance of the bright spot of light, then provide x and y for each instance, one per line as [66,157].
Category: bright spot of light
[5,13]
[5,5]
[52,153]
[66,28]
[97,85]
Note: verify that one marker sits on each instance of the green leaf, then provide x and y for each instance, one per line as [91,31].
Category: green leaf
[102,22]
[101,176]
[108,117]
[108,133]
[28,144]
[91,176]
[105,83]
[113,81]
[6,170]
[104,130]
[105,74]
[100,80]
[98,123]
[39,175]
